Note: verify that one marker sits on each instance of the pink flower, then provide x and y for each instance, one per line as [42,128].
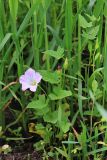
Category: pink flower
[30,80]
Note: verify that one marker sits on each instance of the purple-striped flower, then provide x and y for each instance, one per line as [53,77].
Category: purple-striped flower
[30,80]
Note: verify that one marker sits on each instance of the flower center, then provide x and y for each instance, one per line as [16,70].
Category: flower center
[33,83]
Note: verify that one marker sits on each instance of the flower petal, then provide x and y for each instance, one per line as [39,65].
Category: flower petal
[30,73]
[22,79]
[25,86]
[33,88]
[30,80]
[38,77]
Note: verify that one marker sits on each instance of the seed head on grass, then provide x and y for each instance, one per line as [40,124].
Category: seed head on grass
[30,80]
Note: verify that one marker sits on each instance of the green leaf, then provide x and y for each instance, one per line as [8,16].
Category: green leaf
[63,119]
[41,112]
[27,17]
[13,5]
[97,151]
[64,125]
[94,85]
[98,8]
[105,9]
[46,4]
[63,153]
[1,83]
[51,117]
[51,77]
[69,25]
[70,142]
[56,54]
[84,23]
[38,104]
[59,93]
[92,33]
[4,41]
[89,113]
[102,111]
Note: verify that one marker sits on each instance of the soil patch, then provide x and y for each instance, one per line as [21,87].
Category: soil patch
[21,156]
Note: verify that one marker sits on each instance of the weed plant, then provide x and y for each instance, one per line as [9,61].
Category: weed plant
[66,42]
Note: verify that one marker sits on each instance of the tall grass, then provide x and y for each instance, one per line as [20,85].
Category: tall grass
[30,32]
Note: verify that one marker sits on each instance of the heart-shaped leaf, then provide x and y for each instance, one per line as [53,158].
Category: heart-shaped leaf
[51,117]
[51,77]
[59,93]
[38,104]
[56,54]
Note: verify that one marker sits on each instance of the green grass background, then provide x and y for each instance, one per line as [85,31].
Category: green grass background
[29,28]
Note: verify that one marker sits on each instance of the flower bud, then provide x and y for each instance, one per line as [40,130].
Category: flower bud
[65,65]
